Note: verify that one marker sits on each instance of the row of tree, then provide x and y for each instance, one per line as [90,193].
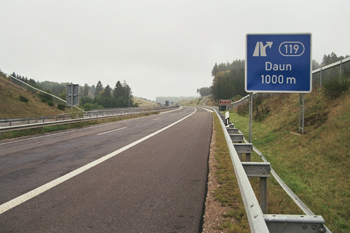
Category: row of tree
[120,96]
[204,91]
[90,97]
[228,81]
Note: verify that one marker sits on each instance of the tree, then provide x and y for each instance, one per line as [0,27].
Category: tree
[63,94]
[229,80]
[204,91]
[107,92]
[99,88]
[215,70]
[92,90]
[118,90]
[86,90]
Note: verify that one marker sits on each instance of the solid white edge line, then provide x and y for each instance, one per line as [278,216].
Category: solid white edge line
[208,110]
[35,192]
[111,131]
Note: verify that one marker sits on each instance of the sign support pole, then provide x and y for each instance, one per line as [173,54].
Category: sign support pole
[250,116]
[301,112]
[71,107]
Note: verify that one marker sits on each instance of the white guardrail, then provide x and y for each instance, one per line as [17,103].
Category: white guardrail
[259,220]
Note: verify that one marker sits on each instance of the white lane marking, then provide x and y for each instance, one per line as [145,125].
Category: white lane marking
[112,131]
[208,110]
[35,192]
[66,131]
[171,110]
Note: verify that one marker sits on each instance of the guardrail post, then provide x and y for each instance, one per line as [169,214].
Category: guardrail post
[250,116]
[243,148]
[232,130]
[261,170]
[263,194]
[236,137]
[295,223]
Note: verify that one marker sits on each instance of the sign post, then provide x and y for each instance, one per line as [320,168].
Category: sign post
[278,63]
[72,94]
[224,102]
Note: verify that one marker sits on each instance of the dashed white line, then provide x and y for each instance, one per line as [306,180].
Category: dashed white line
[111,131]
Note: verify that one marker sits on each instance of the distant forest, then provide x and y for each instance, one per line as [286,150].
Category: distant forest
[91,97]
[228,78]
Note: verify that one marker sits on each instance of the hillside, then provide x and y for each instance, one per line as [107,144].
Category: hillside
[142,102]
[12,107]
[206,100]
[314,165]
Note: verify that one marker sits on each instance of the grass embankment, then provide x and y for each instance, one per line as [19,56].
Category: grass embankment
[227,191]
[314,165]
[11,105]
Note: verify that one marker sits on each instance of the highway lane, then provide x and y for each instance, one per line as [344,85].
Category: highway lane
[157,185]
[28,163]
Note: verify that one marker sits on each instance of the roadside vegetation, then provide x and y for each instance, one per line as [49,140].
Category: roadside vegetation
[314,165]
[224,189]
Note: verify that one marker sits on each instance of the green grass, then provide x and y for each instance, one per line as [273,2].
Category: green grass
[228,192]
[315,165]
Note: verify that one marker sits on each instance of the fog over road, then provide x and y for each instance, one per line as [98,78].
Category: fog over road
[141,175]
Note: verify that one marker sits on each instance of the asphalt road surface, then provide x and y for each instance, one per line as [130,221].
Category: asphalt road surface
[141,175]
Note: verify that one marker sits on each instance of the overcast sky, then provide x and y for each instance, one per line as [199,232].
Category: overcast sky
[159,47]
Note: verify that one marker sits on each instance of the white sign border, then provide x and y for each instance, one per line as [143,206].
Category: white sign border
[275,34]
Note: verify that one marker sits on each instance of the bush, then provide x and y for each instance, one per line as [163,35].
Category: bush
[75,113]
[23,99]
[335,87]
[61,106]
[45,97]
[90,106]
[50,103]
[243,109]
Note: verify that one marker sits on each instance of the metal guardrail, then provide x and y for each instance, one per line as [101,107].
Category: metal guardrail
[71,121]
[259,220]
[86,114]
[327,67]
[345,60]
[252,208]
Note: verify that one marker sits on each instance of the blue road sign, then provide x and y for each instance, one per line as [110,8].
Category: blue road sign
[278,63]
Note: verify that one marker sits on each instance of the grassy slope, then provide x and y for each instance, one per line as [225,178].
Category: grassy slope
[315,165]
[12,107]
[144,102]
